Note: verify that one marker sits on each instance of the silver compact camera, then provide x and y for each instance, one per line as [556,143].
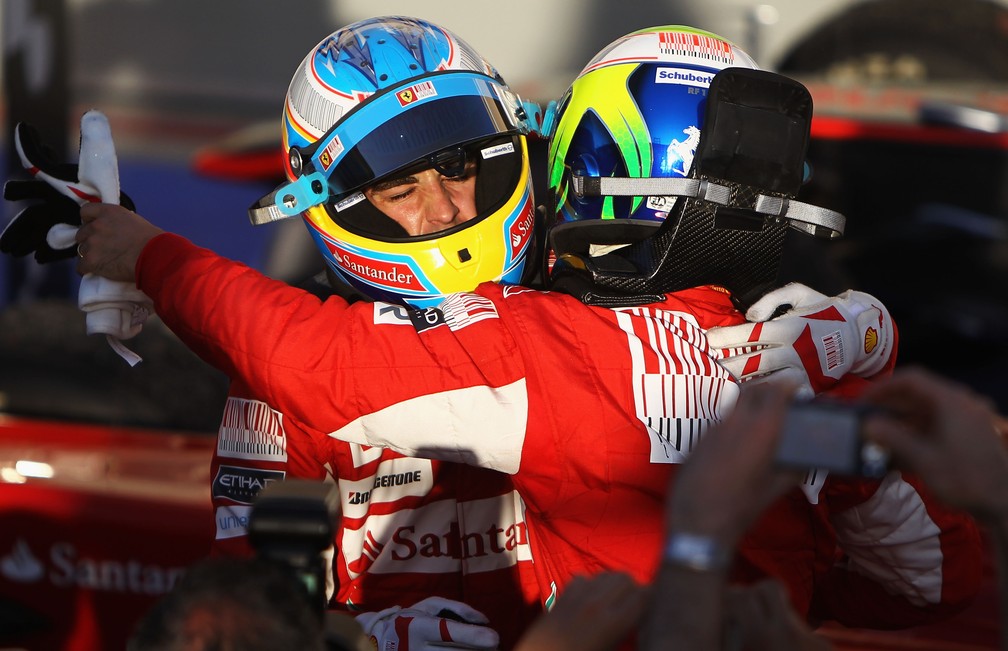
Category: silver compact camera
[827,435]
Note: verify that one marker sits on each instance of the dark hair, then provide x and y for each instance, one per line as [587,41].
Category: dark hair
[231,604]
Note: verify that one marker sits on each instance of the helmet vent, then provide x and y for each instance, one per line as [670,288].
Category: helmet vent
[464,255]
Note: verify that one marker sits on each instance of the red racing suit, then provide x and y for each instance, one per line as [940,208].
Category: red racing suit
[590,409]
[409,528]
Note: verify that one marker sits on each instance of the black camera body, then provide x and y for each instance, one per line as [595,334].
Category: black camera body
[292,523]
[827,435]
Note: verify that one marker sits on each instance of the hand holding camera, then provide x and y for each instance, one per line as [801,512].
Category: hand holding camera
[827,435]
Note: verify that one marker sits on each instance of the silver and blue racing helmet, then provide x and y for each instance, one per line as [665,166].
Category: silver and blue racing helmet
[376,100]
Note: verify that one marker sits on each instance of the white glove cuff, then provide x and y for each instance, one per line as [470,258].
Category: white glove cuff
[368,621]
[875,331]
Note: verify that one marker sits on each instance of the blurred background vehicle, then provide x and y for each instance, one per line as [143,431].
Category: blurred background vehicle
[910,142]
[96,523]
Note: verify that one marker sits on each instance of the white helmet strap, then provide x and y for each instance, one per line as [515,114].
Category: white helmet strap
[810,219]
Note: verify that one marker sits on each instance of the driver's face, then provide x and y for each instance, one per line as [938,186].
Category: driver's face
[427,202]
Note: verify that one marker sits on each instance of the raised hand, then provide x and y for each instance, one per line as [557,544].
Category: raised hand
[56,191]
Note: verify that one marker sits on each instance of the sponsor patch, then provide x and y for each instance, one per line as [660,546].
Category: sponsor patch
[393,480]
[398,479]
[232,521]
[350,201]
[834,347]
[488,535]
[251,429]
[461,310]
[382,273]
[420,319]
[355,498]
[388,314]
[695,45]
[661,204]
[499,150]
[870,340]
[683,76]
[520,231]
[242,485]
[331,153]
[416,92]
[426,318]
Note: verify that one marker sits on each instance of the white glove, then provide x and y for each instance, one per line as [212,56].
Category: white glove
[113,308]
[814,343]
[429,625]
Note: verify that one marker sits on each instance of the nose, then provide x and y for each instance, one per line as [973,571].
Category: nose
[441,210]
[444,204]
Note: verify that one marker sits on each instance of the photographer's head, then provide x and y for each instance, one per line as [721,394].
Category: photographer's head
[408,162]
[230,603]
[671,159]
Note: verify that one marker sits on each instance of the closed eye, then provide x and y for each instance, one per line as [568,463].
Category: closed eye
[399,196]
[467,173]
[396,189]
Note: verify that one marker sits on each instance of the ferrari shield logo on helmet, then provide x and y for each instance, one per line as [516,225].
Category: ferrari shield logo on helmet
[416,92]
[330,153]
[406,96]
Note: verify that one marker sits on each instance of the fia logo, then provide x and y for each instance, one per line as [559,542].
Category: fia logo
[660,204]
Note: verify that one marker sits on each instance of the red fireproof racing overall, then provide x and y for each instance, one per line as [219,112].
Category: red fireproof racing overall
[589,409]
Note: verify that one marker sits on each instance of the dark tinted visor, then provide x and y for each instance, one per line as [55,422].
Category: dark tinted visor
[408,124]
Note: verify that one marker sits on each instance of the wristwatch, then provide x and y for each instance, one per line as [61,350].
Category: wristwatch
[698,553]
